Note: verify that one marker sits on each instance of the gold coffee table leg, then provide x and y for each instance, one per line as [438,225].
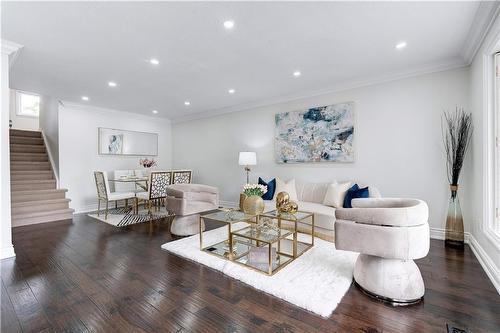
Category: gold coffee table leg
[270,259]
[295,241]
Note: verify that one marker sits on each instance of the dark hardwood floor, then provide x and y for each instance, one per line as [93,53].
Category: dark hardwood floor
[84,275]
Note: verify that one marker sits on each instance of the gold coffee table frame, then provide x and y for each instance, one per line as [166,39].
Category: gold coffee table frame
[237,251]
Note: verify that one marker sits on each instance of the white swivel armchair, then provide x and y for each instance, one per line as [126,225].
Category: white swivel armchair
[389,234]
[187,201]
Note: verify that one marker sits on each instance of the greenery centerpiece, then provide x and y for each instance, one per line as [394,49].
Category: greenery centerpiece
[254,204]
[457,133]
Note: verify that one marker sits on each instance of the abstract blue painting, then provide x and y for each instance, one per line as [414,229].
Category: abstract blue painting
[320,134]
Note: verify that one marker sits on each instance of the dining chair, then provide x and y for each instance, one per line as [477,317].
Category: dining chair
[157,191]
[181,176]
[104,194]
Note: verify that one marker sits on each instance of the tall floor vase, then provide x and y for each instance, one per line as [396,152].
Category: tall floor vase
[454,234]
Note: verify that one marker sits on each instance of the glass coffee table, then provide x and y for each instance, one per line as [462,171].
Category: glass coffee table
[290,221]
[267,243]
[260,248]
[229,217]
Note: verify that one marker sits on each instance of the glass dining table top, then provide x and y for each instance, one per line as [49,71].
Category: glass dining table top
[130,179]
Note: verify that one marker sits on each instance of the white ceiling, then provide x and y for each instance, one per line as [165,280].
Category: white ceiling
[73,49]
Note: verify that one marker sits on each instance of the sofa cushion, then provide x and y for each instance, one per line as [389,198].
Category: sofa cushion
[271,188]
[335,194]
[311,192]
[353,193]
[288,187]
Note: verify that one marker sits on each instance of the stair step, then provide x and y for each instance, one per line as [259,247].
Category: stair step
[41,217]
[33,134]
[25,140]
[31,175]
[39,206]
[29,157]
[24,166]
[15,148]
[24,185]
[30,195]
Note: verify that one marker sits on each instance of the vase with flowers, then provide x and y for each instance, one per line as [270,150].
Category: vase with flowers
[254,204]
[457,134]
[147,163]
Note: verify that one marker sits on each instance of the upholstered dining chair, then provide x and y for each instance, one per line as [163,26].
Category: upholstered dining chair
[157,191]
[104,194]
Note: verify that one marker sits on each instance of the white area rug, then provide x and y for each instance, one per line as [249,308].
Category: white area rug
[316,281]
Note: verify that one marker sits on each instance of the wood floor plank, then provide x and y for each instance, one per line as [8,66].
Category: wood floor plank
[86,275]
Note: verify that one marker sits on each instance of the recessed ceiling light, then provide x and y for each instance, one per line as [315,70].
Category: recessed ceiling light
[85,98]
[231,91]
[155,111]
[297,73]
[401,45]
[112,84]
[187,103]
[154,61]
[229,24]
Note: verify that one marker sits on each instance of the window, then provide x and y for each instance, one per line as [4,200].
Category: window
[28,105]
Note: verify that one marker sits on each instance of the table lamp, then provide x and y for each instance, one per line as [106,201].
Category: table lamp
[247,158]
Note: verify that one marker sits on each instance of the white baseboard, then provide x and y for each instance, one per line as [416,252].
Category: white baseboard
[86,209]
[439,233]
[7,252]
[484,259]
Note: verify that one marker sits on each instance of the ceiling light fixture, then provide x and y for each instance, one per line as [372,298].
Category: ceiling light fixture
[297,73]
[187,103]
[155,111]
[154,61]
[112,84]
[401,45]
[85,98]
[229,24]
[231,91]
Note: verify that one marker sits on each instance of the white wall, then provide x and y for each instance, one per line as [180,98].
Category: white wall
[486,249]
[6,247]
[21,122]
[398,141]
[78,142]
[49,124]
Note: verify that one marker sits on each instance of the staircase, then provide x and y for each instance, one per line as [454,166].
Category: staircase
[35,197]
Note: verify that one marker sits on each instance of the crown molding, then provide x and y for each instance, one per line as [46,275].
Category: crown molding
[9,47]
[119,113]
[353,84]
[486,14]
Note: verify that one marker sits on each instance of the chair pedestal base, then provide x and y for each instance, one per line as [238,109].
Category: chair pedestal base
[186,225]
[395,281]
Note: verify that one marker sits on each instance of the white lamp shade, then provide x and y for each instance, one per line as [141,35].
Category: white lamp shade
[247,158]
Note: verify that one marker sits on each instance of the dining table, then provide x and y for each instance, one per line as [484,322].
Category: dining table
[141,182]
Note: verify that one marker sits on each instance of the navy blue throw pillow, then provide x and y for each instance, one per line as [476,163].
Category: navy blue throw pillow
[353,193]
[271,187]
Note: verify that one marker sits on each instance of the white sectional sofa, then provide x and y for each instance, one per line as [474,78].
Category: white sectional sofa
[310,199]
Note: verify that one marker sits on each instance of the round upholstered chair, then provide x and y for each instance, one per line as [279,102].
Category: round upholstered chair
[187,201]
[389,233]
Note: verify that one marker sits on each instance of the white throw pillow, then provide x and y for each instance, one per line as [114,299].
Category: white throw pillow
[335,194]
[288,187]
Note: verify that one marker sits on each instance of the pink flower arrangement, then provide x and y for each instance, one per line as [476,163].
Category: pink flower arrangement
[147,163]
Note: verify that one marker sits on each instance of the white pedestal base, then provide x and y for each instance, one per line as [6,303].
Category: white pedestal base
[393,280]
[186,225]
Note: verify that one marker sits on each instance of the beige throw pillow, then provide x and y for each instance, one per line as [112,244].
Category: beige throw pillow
[335,194]
[288,187]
